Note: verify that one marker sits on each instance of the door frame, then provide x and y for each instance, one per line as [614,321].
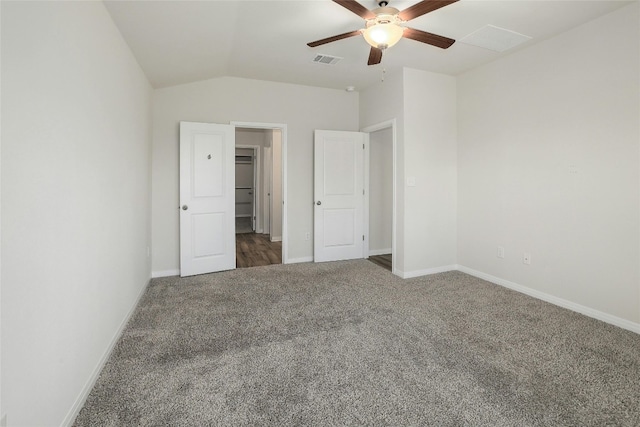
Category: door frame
[283,129]
[257,190]
[370,129]
[268,163]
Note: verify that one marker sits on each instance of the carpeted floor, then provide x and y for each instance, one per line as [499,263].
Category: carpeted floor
[347,343]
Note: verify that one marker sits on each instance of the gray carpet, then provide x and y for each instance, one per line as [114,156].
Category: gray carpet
[347,343]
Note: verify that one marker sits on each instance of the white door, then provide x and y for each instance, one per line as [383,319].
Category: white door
[207,198]
[338,195]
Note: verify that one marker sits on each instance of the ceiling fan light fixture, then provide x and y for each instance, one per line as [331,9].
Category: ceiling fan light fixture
[383,35]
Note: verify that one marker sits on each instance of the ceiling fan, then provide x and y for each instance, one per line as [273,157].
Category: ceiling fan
[383,26]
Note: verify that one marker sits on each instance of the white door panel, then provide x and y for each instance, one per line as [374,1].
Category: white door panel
[207,198]
[338,195]
[339,227]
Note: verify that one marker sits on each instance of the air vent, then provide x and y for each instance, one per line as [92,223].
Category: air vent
[495,38]
[326,59]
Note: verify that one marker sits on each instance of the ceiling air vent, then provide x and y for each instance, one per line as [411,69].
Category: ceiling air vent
[495,38]
[326,59]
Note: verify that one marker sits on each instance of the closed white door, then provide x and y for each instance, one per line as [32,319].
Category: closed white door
[207,198]
[338,195]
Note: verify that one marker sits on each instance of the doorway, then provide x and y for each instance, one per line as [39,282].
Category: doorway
[381,174]
[259,201]
[380,198]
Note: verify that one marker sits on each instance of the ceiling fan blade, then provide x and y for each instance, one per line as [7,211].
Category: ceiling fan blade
[334,38]
[375,56]
[428,38]
[425,6]
[356,8]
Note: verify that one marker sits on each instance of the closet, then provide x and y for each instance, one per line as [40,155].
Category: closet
[245,189]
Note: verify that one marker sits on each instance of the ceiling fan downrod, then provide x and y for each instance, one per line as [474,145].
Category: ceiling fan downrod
[383,3]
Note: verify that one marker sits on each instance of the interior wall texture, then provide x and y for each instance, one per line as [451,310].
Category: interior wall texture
[424,106]
[430,161]
[549,164]
[222,100]
[75,201]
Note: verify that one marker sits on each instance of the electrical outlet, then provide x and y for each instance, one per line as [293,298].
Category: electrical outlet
[526,258]
[500,252]
[307,236]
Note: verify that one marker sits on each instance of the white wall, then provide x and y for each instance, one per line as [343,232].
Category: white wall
[222,100]
[430,157]
[2,414]
[424,105]
[75,201]
[380,191]
[549,164]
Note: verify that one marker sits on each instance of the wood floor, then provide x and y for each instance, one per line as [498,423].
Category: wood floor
[382,260]
[253,250]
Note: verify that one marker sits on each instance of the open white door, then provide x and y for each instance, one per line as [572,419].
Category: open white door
[338,195]
[207,198]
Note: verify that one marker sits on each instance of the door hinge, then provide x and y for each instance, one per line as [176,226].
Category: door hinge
[363,146]
[363,192]
[363,237]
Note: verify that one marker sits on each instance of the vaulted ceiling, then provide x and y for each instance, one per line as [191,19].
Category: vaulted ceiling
[178,42]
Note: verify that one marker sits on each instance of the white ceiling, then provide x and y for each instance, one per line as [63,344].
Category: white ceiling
[182,41]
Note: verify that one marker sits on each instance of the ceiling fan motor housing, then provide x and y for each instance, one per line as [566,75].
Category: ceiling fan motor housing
[383,30]
[385,15]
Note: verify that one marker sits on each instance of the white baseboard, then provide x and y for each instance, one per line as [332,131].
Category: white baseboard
[88,386]
[418,273]
[587,311]
[299,260]
[165,273]
[375,252]
[276,238]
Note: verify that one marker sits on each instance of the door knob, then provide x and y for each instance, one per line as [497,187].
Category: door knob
[185,207]
[318,203]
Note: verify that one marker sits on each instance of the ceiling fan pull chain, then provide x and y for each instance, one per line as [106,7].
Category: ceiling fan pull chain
[384,70]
